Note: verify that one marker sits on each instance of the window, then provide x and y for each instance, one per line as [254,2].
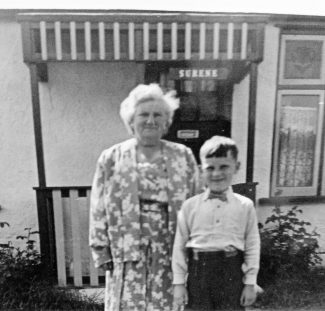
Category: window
[299,117]
[298,142]
[301,60]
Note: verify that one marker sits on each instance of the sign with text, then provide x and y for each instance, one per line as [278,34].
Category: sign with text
[199,73]
[187,134]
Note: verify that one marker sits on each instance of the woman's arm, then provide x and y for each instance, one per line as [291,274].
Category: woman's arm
[98,224]
[194,174]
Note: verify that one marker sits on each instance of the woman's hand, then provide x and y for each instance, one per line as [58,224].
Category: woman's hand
[107,266]
[180,297]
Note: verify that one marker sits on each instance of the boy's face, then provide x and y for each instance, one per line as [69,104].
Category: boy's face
[218,172]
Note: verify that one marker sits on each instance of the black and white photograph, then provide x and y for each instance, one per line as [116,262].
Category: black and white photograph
[162,156]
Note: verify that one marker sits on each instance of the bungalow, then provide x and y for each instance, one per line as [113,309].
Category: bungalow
[259,78]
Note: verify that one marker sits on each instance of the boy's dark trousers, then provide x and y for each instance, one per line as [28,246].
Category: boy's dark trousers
[214,281]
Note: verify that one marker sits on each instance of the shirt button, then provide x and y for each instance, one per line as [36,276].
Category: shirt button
[217,221]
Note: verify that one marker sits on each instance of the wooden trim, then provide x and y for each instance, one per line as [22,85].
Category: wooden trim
[301,87]
[291,200]
[202,40]
[37,125]
[244,32]
[42,72]
[188,32]
[76,244]
[101,37]
[63,188]
[46,230]
[143,32]
[321,176]
[216,40]
[116,35]
[58,40]
[160,37]
[251,122]
[274,133]
[145,41]
[174,41]
[140,17]
[230,41]
[131,41]
[73,41]
[59,238]
[27,42]
[43,37]
[87,41]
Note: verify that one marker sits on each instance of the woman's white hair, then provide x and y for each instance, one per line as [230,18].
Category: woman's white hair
[143,93]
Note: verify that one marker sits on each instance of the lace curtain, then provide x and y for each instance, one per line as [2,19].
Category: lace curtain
[297,144]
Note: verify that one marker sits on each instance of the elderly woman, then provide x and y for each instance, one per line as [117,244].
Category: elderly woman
[139,186]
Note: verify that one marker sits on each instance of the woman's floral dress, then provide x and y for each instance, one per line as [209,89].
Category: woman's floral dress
[132,226]
[147,284]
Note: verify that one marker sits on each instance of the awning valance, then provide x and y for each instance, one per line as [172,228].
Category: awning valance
[141,37]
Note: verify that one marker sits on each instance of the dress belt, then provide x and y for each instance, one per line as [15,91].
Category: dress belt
[147,205]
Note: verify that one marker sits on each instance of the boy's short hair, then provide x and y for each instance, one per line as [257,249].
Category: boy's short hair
[218,146]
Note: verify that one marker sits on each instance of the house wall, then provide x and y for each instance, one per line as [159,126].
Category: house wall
[265,112]
[80,116]
[239,125]
[17,145]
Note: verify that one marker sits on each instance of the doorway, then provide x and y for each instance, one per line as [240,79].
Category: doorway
[205,103]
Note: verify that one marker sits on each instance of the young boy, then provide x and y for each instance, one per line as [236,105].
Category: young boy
[217,245]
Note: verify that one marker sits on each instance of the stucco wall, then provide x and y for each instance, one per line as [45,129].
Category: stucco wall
[266,100]
[80,116]
[265,111]
[239,125]
[17,155]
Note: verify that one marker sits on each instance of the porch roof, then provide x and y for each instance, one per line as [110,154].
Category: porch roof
[141,36]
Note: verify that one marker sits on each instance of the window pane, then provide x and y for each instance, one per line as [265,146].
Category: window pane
[303,59]
[297,140]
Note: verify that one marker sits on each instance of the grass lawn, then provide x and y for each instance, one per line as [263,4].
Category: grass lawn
[301,292]
[305,291]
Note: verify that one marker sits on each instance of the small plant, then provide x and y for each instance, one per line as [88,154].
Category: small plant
[22,286]
[287,247]
[19,267]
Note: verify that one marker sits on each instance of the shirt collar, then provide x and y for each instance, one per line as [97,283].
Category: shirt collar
[229,194]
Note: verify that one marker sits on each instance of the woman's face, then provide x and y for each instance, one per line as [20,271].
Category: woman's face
[150,121]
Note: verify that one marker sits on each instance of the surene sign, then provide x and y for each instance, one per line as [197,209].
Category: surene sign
[199,73]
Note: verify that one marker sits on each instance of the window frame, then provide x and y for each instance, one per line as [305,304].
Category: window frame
[294,37]
[297,191]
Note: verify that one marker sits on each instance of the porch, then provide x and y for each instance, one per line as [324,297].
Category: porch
[230,45]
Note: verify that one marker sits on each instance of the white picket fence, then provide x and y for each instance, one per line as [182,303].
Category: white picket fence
[71,223]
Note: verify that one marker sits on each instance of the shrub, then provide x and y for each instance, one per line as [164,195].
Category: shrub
[19,267]
[22,286]
[287,247]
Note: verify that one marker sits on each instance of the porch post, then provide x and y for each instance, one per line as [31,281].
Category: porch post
[37,125]
[251,122]
[43,197]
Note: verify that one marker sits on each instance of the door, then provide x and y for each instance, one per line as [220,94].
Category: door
[205,104]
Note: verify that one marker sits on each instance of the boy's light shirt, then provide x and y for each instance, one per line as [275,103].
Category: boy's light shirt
[212,225]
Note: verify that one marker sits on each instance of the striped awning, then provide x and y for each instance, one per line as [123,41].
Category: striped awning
[141,37]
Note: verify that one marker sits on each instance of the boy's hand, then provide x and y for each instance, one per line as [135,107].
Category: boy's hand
[180,297]
[248,296]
